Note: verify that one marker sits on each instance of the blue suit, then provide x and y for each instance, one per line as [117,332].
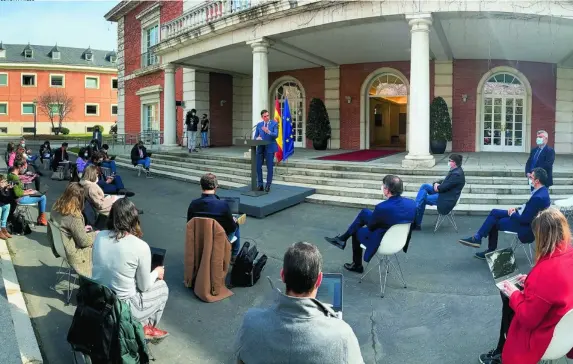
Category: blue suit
[370,226]
[544,160]
[518,222]
[266,152]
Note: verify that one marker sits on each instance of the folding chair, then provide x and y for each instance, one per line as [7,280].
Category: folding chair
[516,242]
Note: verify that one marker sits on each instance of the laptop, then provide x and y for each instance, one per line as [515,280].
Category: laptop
[503,267]
[331,291]
[234,203]
[157,257]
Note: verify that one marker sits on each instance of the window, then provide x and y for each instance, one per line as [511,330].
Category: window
[3,108]
[89,57]
[28,53]
[27,130]
[28,80]
[150,39]
[27,108]
[55,109]
[89,129]
[92,109]
[114,109]
[114,83]
[56,80]
[4,130]
[92,82]
[56,55]
[112,59]
[3,79]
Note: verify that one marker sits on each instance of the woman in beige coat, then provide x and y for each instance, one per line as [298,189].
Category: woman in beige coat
[93,191]
[78,239]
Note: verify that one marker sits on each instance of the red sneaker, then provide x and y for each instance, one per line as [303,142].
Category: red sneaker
[148,331]
[159,334]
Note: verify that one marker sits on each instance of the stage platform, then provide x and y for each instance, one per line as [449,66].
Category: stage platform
[279,198]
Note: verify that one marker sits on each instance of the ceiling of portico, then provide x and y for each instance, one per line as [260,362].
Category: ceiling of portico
[453,36]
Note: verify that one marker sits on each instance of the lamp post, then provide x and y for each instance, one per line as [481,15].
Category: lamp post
[35,102]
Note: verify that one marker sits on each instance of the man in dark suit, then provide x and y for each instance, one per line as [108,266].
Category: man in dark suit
[541,156]
[370,226]
[444,193]
[517,220]
[266,130]
[60,155]
[209,205]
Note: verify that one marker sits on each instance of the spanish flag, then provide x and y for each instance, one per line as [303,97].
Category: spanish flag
[280,140]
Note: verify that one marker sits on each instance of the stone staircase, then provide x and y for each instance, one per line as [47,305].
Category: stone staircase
[357,185]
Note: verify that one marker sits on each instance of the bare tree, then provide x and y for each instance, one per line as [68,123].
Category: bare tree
[56,105]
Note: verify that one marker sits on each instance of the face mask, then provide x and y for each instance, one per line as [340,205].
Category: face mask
[531,182]
[23,145]
[539,141]
[449,165]
[85,155]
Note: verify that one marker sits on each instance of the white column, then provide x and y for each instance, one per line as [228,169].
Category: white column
[260,78]
[419,103]
[169,115]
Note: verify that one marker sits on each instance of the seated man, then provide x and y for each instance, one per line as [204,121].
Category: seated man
[517,220]
[111,185]
[25,196]
[139,155]
[209,205]
[443,193]
[370,226]
[60,155]
[45,152]
[93,147]
[298,328]
[107,161]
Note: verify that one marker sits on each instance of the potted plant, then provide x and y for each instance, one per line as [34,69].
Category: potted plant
[440,126]
[318,125]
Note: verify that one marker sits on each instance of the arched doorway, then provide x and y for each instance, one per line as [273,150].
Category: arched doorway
[385,110]
[289,88]
[504,118]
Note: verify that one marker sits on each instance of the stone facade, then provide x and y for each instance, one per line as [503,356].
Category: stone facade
[564,111]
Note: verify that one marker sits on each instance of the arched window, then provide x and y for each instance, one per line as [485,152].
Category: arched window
[387,85]
[293,92]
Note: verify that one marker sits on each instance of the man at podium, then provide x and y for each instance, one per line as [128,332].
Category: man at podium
[266,130]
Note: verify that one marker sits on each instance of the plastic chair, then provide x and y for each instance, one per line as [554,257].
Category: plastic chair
[516,242]
[441,218]
[565,206]
[392,242]
[562,341]
[65,267]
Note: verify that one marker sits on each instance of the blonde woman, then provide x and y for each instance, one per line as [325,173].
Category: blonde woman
[93,191]
[78,239]
[529,317]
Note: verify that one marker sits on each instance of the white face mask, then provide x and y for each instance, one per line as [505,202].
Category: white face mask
[449,165]
[539,141]
[531,182]
[85,155]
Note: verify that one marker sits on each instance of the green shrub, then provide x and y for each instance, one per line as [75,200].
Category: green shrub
[65,131]
[440,122]
[318,123]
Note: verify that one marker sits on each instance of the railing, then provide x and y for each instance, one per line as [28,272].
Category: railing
[149,59]
[205,13]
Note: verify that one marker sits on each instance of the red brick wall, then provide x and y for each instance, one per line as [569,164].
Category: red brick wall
[221,116]
[466,77]
[312,80]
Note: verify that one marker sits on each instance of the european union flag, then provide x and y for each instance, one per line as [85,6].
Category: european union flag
[288,137]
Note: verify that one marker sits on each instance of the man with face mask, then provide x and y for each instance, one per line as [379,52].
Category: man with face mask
[444,193]
[369,226]
[541,156]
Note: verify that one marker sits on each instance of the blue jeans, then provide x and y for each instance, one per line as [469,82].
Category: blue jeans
[145,162]
[497,220]
[5,213]
[426,196]
[236,246]
[110,165]
[41,201]
[204,139]
[111,188]
[269,157]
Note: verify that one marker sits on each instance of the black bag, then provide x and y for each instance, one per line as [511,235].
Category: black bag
[246,272]
[19,225]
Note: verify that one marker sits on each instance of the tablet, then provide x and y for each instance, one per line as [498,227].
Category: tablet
[157,257]
[330,290]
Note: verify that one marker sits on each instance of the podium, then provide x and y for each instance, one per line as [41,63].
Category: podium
[253,144]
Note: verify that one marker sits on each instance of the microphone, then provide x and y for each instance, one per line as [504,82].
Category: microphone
[249,133]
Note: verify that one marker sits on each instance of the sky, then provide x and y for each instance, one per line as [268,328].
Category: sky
[68,23]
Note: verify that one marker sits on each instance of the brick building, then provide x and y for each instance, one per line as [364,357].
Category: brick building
[504,68]
[28,72]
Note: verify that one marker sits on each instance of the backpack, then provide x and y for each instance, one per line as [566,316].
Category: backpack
[19,225]
[246,272]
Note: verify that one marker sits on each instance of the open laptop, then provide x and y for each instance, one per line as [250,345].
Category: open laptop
[503,267]
[331,290]
[157,257]
[234,203]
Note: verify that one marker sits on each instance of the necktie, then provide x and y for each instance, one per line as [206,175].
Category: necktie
[535,157]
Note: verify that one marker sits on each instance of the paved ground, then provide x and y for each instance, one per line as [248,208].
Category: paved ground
[9,353]
[448,315]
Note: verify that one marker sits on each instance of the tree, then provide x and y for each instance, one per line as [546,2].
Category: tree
[318,123]
[56,104]
[440,122]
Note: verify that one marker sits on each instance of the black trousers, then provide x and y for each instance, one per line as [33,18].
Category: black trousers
[506,316]
[356,251]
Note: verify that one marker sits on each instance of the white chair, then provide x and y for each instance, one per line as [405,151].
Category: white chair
[441,218]
[516,242]
[139,168]
[562,341]
[392,242]
[65,268]
[565,206]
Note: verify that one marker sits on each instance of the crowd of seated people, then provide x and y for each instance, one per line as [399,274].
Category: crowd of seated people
[108,161]
[23,194]
[111,184]
[94,193]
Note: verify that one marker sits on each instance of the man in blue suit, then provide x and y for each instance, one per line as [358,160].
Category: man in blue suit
[370,226]
[542,156]
[517,220]
[266,130]
[209,205]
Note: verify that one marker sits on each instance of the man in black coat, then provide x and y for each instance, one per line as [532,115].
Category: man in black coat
[541,156]
[444,193]
[139,155]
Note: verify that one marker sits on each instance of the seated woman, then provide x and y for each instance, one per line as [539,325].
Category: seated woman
[107,161]
[529,317]
[28,176]
[94,193]
[122,262]
[26,196]
[6,199]
[78,239]
[46,152]
[82,160]
[111,185]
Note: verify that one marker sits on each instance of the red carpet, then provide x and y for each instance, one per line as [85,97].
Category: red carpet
[365,155]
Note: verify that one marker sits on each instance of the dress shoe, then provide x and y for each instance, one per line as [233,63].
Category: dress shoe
[354,268]
[336,241]
[470,241]
[268,189]
[260,188]
[6,233]
[3,236]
